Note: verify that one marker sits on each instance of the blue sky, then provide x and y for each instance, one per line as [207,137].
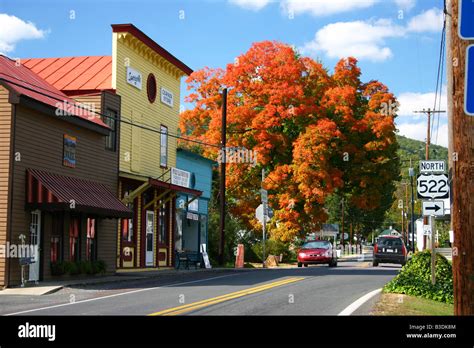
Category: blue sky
[396,41]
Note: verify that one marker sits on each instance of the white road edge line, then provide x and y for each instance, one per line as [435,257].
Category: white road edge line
[120,294]
[356,304]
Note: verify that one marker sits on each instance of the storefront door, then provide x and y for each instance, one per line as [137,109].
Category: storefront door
[35,237]
[149,234]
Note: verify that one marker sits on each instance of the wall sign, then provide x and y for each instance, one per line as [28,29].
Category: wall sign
[167,97]
[180,177]
[134,78]
[69,151]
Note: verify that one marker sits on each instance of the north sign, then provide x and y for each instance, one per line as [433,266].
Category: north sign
[432,166]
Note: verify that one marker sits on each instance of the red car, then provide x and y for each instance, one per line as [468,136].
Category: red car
[316,252]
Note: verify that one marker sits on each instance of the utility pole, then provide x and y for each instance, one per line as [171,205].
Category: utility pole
[407,229]
[264,224]
[411,173]
[222,181]
[342,225]
[428,113]
[462,155]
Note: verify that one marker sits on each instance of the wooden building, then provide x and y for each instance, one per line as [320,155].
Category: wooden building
[58,177]
[147,78]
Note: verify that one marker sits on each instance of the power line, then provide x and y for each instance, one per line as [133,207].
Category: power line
[116,119]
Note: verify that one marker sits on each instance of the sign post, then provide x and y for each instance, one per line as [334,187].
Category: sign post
[432,184]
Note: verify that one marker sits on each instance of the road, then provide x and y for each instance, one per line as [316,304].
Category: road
[315,290]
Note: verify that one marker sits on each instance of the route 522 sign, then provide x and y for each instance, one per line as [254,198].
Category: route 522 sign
[432,186]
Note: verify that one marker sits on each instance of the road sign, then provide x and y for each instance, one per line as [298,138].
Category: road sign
[260,211]
[431,186]
[433,208]
[426,230]
[432,167]
[264,194]
[466,19]
[469,81]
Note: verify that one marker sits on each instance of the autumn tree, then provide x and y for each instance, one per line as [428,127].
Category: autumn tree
[315,134]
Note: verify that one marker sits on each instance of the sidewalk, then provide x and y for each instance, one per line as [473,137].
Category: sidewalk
[50,286]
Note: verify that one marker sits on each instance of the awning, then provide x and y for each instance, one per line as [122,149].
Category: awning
[172,187]
[54,192]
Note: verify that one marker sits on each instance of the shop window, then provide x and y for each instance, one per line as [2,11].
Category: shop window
[162,216]
[164,146]
[55,249]
[110,119]
[91,242]
[127,225]
[56,253]
[74,252]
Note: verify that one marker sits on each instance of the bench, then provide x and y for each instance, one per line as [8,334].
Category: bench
[186,258]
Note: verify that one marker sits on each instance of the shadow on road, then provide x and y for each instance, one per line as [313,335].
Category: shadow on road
[242,277]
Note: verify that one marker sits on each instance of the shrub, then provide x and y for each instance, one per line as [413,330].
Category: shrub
[415,278]
[57,268]
[272,247]
[99,266]
[85,267]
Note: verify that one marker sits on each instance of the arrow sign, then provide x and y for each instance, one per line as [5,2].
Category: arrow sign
[433,208]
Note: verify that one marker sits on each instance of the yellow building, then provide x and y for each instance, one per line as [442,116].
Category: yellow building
[147,78]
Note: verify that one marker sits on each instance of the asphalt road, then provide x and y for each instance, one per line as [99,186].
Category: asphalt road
[315,290]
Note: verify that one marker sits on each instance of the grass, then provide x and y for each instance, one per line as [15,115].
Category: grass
[398,304]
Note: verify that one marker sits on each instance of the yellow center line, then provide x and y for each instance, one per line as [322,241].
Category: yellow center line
[214,300]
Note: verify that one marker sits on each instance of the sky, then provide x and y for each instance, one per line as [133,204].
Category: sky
[396,41]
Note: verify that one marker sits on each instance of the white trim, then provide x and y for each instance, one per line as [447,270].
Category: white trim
[359,302]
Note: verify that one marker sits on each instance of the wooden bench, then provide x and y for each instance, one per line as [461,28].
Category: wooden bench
[186,258]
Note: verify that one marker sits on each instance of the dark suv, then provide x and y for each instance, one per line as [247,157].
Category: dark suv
[389,249]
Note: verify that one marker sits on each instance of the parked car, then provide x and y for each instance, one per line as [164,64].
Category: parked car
[317,252]
[389,249]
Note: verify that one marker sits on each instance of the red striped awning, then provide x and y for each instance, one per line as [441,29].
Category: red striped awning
[54,192]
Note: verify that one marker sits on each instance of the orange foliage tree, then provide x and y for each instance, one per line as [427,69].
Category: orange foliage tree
[305,125]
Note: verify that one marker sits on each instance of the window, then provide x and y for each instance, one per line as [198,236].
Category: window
[74,239]
[55,247]
[127,224]
[110,119]
[91,245]
[151,88]
[162,216]
[56,233]
[164,147]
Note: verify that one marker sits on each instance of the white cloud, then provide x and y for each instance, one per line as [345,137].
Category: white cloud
[324,7]
[254,5]
[410,101]
[363,40]
[367,39]
[405,4]
[417,130]
[14,30]
[428,21]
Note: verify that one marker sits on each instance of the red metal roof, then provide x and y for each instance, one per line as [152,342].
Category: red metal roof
[130,28]
[25,82]
[88,196]
[74,73]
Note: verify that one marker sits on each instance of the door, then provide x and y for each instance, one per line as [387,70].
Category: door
[149,234]
[35,237]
